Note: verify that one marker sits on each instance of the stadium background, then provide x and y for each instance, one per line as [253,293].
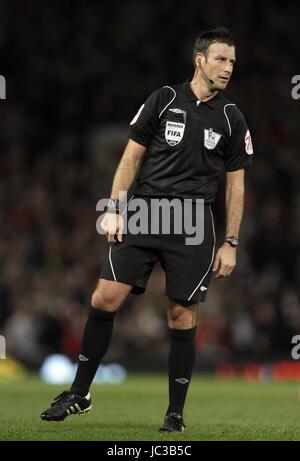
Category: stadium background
[76,74]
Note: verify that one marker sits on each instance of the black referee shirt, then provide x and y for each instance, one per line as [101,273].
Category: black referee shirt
[187,141]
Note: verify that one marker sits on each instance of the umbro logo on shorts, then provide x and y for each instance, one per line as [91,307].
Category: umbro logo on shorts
[182,380]
[203,288]
[83,358]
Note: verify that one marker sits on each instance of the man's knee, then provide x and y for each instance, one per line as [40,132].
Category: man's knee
[104,301]
[182,322]
[182,317]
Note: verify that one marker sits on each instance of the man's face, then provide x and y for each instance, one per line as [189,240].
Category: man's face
[219,64]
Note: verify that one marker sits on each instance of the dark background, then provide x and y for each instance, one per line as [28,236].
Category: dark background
[76,73]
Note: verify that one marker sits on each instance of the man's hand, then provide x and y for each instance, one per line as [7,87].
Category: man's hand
[225,261]
[113,225]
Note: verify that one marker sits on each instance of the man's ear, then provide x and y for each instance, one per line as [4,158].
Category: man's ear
[199,59]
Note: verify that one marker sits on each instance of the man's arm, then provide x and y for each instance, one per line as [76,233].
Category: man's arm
[127,168]
[225,259]
[234,201]
[125,174]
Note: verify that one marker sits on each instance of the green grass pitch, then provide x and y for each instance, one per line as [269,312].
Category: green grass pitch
[134,410]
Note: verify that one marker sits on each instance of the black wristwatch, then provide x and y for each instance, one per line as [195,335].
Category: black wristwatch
[232,240]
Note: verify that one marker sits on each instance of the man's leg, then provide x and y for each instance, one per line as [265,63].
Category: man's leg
[182,322]
[106,299]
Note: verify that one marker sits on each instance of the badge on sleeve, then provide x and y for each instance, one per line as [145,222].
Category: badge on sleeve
[248,143]
[211,138]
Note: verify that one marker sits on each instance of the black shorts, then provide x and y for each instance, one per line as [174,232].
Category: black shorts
[187,267]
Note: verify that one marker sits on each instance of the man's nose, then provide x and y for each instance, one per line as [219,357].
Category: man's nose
[228,68]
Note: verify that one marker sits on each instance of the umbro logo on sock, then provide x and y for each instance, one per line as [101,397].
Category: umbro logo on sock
[182,380]
[83,358]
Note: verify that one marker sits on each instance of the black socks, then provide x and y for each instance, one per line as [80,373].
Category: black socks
[95,342]
[181,364]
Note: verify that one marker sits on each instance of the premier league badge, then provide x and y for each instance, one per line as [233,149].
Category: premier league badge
[211,138]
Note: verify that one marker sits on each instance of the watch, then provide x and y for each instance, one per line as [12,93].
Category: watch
[113,206]
[232,240]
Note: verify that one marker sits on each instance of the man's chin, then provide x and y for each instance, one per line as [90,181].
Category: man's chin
[220,86]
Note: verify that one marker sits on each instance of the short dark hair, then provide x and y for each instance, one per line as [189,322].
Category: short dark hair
[219,34]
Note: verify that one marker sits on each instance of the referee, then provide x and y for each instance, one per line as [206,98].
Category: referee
[178,141]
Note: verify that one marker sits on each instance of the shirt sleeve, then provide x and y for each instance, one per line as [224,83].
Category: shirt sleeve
[144,124]
[239,153]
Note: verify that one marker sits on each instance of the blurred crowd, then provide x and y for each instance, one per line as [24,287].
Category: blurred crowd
[75,69]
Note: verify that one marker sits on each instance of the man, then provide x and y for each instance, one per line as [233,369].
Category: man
[178,141]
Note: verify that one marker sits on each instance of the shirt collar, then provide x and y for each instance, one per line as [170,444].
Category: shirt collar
[213,102]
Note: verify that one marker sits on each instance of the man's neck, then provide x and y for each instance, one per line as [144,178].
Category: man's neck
[201,90]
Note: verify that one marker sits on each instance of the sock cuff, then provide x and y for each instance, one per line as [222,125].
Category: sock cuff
[183,335]
[101,315]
